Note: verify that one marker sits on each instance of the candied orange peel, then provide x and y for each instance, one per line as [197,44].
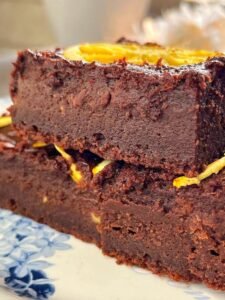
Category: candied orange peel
[213,168]
[5,121]
[74,172]
[97,169]
[133,53]
[39,144]
[65,155]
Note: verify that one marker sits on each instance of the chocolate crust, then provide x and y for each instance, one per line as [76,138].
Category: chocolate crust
[157,116]
[143,221]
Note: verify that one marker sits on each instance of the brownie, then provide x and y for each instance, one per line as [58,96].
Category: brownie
[133,213]
[155,115]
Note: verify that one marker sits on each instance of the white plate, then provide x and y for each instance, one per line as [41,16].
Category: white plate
[36,260]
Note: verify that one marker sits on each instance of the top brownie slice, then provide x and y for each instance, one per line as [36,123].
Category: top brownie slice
[139,103]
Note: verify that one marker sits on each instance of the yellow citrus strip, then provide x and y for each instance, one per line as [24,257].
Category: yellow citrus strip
[213,168]
[39,145]
[107,53]
[75,173]
[5,121]
[97,169]
[65,155]
[184,181]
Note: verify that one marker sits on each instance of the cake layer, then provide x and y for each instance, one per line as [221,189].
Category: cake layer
[133,213]
[154,115]
[35,183]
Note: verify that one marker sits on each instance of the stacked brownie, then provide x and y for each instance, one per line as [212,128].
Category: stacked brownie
[120,145]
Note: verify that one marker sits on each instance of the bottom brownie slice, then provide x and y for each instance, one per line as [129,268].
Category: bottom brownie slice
[132,213]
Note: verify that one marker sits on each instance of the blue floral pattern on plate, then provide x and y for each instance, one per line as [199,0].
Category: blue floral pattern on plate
[24,245]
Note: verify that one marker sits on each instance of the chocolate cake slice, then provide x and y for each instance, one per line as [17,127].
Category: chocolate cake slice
[133,213]
[143,104]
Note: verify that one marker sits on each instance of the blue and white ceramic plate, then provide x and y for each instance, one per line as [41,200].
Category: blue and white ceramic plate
[38,262]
